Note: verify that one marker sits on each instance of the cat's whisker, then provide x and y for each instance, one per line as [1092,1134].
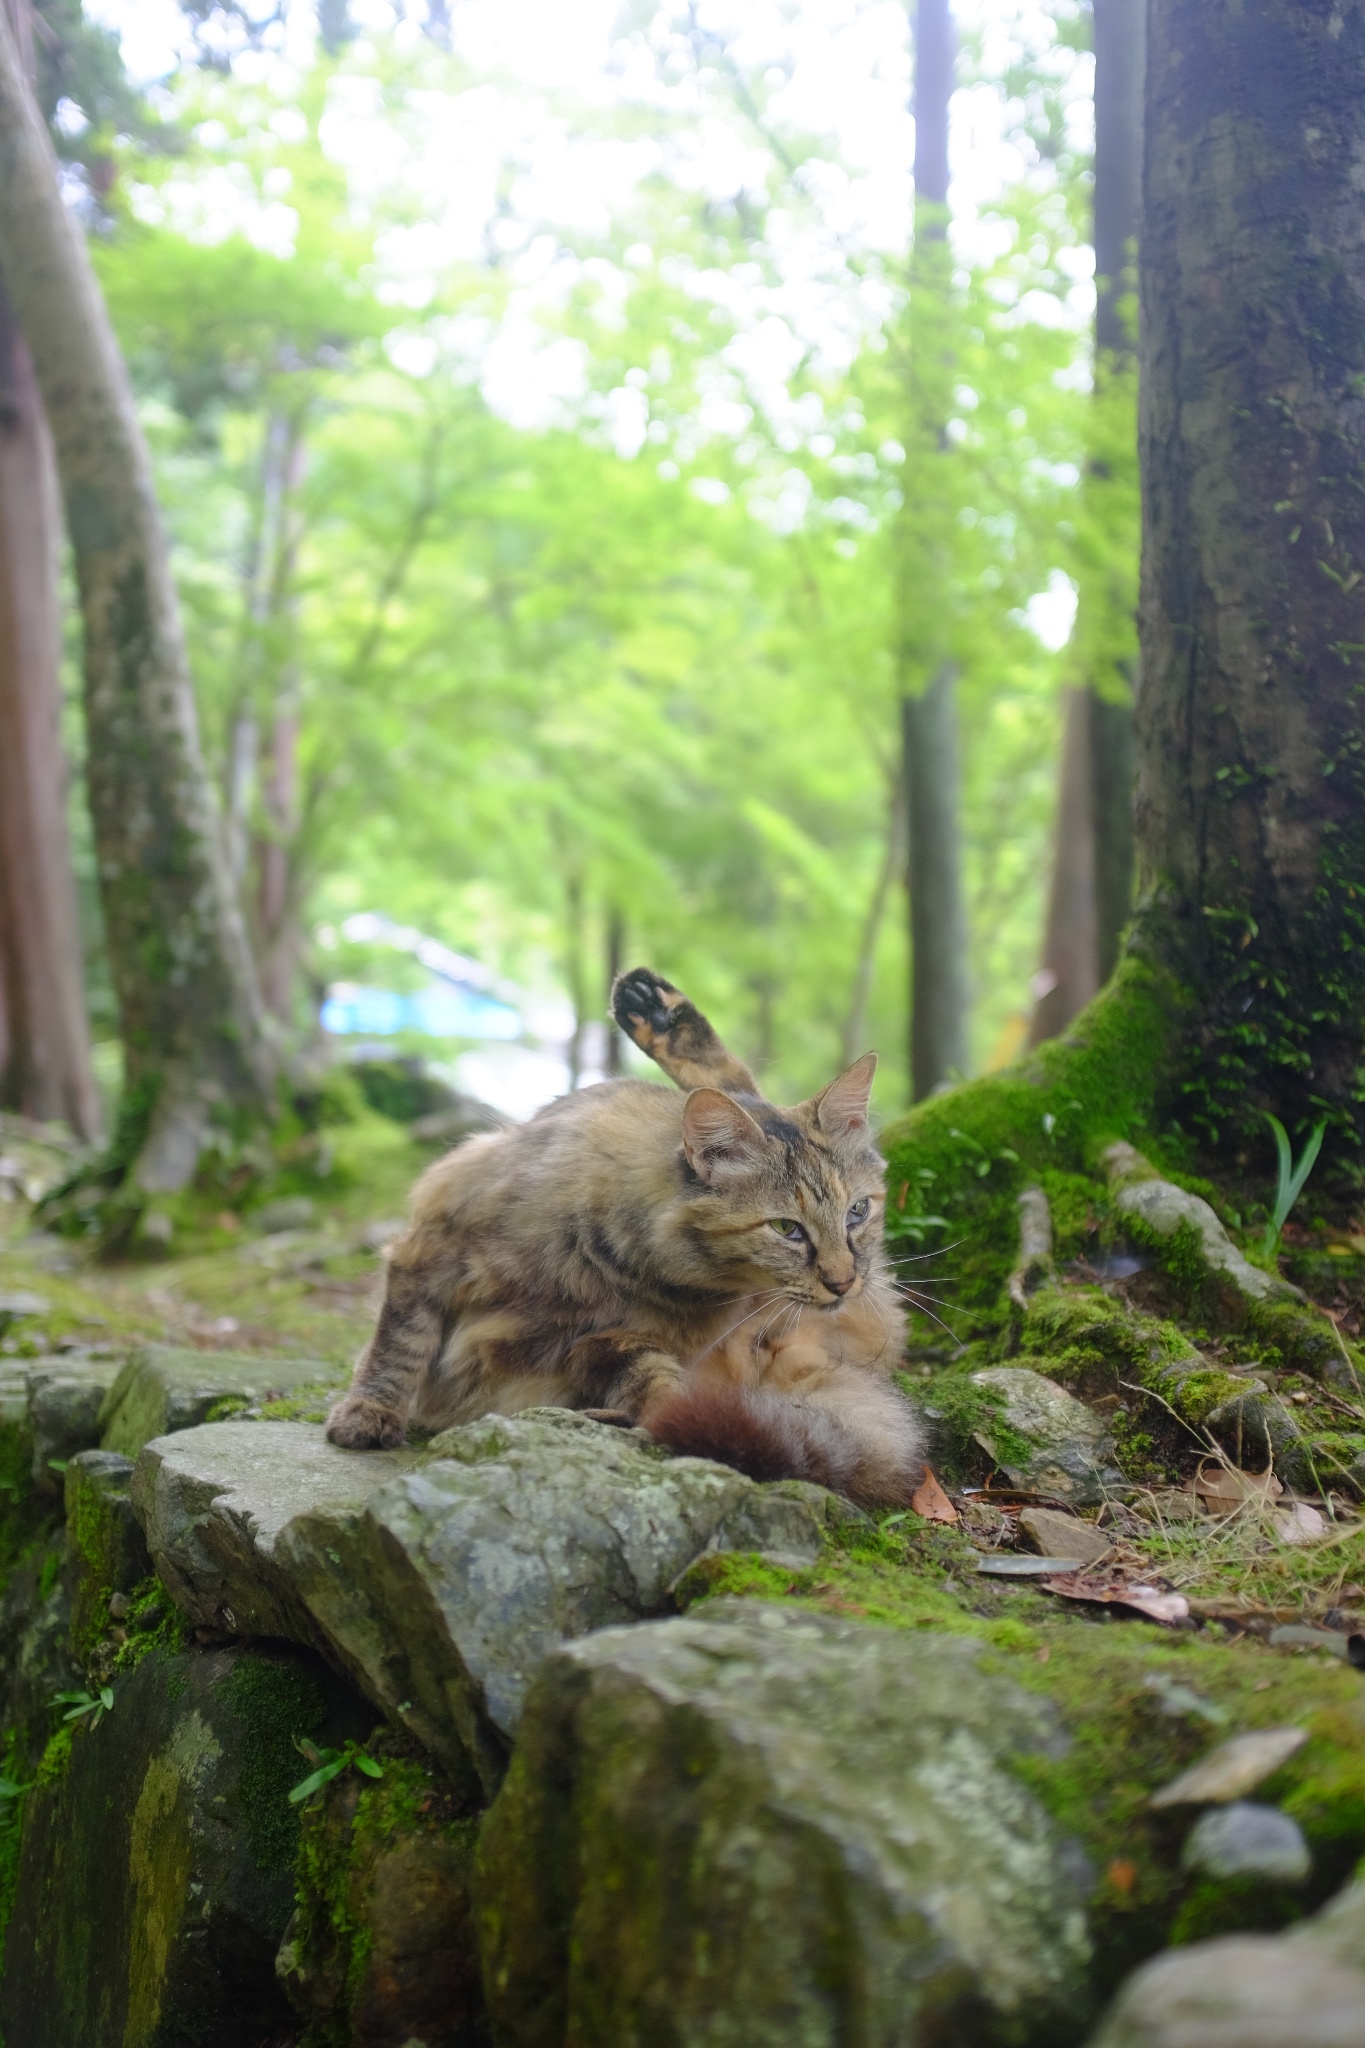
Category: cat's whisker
[918,1258]
[748,1317]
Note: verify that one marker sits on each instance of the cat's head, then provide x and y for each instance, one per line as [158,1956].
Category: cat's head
[790,1199]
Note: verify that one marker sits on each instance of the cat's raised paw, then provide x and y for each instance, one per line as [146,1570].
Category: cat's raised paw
[643,1004]
[360,1425]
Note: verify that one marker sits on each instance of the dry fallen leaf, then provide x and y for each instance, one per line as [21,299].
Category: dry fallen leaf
[1225,1488]
[931,1501]
[1112,1589]
[1299,1524]
[1233,1769]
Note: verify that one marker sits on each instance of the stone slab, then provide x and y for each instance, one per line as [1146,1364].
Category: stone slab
[444,1596]
[168,1387]
[1045,1439]
[762,1827]
[213,1500]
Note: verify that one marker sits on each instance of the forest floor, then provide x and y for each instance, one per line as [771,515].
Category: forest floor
[302,1277]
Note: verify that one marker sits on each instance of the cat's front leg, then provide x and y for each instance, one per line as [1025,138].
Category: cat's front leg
[616,1373]
[373,1414]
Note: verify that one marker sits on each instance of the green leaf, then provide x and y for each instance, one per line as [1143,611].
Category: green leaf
[368,1765]
[317,1779]
[9,1790]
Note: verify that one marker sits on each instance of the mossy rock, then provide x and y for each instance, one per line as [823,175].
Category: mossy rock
[167,1387]
[382,1948]
[762,1825]
[155,1866]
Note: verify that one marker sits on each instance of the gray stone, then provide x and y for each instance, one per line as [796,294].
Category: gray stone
[291,1212]
[1056,1535]
[16,1305]
[1245,1840]
[447,1593]
[65,1399]
[166,1387]
[1046,1439]
[212,1502]
[758,1828]
[1304,1989]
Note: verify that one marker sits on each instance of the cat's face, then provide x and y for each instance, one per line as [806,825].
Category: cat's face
[789,1200]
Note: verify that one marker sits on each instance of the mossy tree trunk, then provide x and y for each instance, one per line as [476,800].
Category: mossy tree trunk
[1091,892]
[938,938]
[1251,746]
[45,1067]
[194,1037]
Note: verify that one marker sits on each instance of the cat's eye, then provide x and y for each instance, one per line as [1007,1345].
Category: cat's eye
[858,1213]
[788,1227]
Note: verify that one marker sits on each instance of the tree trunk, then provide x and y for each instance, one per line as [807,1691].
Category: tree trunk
[195,1043]
[938,967]
[45,1065]
[1251,753]
[853,1038]
[1090,896]
[614,1063]
[938,939]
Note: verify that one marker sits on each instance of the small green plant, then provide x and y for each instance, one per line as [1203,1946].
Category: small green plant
[80,1704]
[1290,1178]
[9,1790]
[329,1764]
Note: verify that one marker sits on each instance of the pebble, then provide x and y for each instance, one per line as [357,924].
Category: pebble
[1246,1840]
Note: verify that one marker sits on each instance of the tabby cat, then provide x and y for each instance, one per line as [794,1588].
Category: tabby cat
[704,1264]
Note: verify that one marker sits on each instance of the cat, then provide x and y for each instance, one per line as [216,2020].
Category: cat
[704,1264]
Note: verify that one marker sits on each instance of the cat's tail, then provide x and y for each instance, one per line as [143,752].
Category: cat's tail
[770,1436]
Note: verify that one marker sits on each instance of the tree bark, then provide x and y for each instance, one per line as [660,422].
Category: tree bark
[1091,890]
[1251,751]
[852,1040]
[938,966]
[938,938]
[45,1067]
[195,1041]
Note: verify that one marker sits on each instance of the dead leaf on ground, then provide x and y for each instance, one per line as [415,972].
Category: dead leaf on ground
[1226,1489]
[1111,1589]
[931,1501]
[1299,1524]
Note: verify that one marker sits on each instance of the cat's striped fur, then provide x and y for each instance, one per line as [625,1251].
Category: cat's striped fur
[706,1264]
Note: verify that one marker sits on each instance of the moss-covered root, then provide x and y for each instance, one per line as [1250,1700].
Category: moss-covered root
[964,1157]
[381,1947]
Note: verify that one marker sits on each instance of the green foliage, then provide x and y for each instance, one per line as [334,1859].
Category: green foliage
[1290,1178]
[329,1764]
[543,683]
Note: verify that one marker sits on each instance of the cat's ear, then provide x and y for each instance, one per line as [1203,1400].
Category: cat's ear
[841,1109]
[718,1136]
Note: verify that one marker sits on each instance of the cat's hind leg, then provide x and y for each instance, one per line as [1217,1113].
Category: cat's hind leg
[662,1022]
[373,1414]
[614,1374]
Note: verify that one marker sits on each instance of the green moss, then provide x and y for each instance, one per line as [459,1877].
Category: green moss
[152,1622]
[56,1756]
[226,1408]
[972,1149]
[11,1831]
[345,1830]
[311,1403]
[279,1703]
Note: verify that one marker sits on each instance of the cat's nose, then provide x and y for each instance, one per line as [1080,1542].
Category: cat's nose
[836,1286]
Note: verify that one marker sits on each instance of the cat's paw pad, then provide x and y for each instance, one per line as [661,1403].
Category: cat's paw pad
[360,1425]
[645,1005]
